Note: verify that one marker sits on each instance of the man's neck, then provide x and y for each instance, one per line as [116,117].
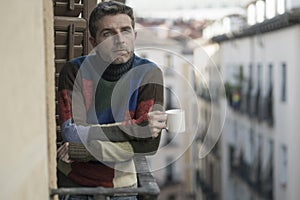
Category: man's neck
[115,71]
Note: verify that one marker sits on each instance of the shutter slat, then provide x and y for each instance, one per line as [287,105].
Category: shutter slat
[61,37]
[66,9]
[63,23]
[62,51]
[71,41]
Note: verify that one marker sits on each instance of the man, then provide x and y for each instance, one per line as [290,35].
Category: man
[110,105]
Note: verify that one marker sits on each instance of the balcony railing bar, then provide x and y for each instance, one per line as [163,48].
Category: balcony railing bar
[147,186]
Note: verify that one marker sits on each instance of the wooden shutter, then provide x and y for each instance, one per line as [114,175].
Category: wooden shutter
[71,35]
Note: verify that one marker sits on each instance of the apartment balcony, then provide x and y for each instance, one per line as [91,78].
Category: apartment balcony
[147,186]
[206,187]
[233,95]
[255,105]
[267,108]
[258,180]
[204,94]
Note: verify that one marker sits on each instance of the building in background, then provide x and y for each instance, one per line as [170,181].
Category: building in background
[171,44]
[207,152]
[171,164]
[259,143]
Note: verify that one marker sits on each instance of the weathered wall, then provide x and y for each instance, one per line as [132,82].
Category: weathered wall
[50,91]
[25,91]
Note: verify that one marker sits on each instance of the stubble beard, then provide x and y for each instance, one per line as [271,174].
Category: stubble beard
[121,59]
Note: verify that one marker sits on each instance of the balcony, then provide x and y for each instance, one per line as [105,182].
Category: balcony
[268,108]
[147,187]
[205,187]
[257,179]
[233,95]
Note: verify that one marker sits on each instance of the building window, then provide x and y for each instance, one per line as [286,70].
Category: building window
[270,77]
[269,101]
[251,147]
[270,9]
[250,83]
[168,61]
[170,170]
[259,78]
[169,98]
[235,132]
[168,139]
[283,166]
[226,25]
[267,171]
[281,4]
[283,82]
[259,75]
[255,93]
[258,107]
[251,19]
[260,11]
[249,151]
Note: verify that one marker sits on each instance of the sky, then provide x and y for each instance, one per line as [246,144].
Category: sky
[178,4]
[188,9]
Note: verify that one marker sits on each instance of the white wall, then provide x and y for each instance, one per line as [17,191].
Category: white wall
[275,48]
[292,4]
[24,159]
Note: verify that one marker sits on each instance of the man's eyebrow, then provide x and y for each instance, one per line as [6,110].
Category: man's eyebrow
[112,29]
[125,27]
[106,29]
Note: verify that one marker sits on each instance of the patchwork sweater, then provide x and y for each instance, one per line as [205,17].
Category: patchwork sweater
[103,113]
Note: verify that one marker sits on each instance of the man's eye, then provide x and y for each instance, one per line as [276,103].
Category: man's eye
[128,30]
[107,34]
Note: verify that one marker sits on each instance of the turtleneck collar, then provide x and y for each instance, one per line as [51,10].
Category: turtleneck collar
[115,71]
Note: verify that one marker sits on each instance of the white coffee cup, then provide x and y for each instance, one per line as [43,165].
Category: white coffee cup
[175,121]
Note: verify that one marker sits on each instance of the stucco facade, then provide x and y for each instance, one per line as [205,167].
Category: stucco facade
[27,85]
[250,135]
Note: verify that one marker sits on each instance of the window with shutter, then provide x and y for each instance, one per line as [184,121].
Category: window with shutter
[71,34]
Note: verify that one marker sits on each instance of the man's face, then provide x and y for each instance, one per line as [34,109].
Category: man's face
[114,38]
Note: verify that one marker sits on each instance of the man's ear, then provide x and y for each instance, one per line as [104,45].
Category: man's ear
[93,41]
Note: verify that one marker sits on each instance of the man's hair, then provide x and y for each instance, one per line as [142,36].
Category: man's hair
[108,8]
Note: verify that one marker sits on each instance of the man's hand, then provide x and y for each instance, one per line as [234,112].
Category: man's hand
[63,153]
[157,122]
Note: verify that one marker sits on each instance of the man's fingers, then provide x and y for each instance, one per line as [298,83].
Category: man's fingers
[66,159]
[157,119]
[63,153]
[155,132]
[155,135]
[158,124]
[60,151]
[63,150]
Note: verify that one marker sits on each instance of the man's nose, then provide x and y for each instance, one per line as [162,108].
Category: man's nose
[119,38]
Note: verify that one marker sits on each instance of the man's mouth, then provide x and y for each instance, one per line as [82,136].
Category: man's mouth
[120,50]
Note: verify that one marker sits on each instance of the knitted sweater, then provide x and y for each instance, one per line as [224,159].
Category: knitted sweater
[105,120]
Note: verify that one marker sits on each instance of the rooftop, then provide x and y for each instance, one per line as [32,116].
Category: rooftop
[280,21]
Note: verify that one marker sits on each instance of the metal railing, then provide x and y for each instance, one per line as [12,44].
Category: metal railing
[147,186]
